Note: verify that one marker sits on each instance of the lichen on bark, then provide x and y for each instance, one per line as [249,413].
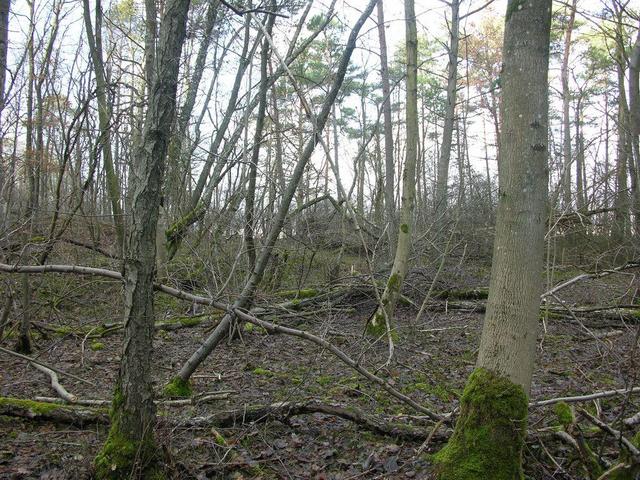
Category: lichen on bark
[489,433]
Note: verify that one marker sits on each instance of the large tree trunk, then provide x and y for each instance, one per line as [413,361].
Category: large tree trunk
[442,178]
[383,318]
[130,448]
[489,433]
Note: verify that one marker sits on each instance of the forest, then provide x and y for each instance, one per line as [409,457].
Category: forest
[320,239]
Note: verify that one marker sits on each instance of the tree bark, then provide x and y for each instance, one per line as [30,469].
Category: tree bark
[389,167]
[566,121]
[489,433]
[442,178]
[130,448]
[382,320]
[255,153]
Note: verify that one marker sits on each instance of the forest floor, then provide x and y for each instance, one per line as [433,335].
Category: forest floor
[431,362]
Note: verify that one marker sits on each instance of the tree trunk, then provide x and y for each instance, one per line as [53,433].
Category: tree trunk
[489,434]
[566,121]
[442,178]
[634,120]
[382,320]
[130,447]
[255,154]
[581,194]
[5,7]
[104,116]
[389,167]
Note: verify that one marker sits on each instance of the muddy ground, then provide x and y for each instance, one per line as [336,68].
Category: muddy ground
[432,360]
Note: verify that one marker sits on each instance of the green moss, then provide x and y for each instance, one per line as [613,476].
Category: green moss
[176,231]
[565,414]
[37,408]
[248,327]
[489,434]
[404,228]
[38,239]
[263,371]
[95,346]
[178,388]
[122,458]
[219,439]
[324,380]
[377,326]
[190,321]
[394,282]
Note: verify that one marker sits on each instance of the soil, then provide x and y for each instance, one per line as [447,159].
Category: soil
[432,359]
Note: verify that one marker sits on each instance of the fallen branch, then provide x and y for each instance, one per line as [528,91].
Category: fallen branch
[586,276]
[55,383]
[80,415]
[222,395]
[282,410]
[633,450]
[38,362]
[584,398]
[633,420]
[75,415]
[241,314]
[273,328]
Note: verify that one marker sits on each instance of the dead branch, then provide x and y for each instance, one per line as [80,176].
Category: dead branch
[586,276]
[243,315]
[283,410]
[38,362]
[271,327]
[584,398]
[221,395]
[633,450]
[55,384]
[75,415]
[633,420]
[82,415]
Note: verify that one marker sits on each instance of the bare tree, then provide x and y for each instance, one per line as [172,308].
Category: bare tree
[382,320]
[130,448]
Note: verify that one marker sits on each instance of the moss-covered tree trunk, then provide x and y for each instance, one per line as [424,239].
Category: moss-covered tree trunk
[130,451]
[489,433]
[378,324]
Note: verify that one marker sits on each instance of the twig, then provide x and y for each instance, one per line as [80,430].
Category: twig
[633,450]
[584,398]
